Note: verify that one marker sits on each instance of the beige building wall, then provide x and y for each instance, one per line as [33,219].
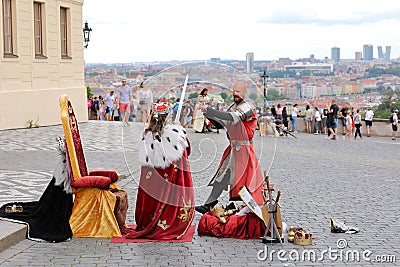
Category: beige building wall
[30,87]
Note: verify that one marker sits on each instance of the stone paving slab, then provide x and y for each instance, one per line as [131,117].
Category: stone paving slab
[11,234]
[356,181]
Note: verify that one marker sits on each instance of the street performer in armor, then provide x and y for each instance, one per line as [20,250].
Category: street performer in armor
[165,199]
[239,165]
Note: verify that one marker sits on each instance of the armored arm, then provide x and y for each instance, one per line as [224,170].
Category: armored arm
[212,113]
[243,112]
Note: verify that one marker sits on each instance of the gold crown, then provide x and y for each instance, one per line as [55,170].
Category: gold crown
[302,238]
[221,212]
[14,208]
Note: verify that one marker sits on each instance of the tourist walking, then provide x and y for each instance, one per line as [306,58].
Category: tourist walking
[110,98]
[124,101]
[343,118]
[395,123]
[357,124]
[145,99]
[349,123]
[369,115]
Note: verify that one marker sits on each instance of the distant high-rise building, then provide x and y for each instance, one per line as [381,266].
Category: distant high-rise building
[368,52]
[380,52]
[249,62]
[387,53]
[358,56]
[335,54]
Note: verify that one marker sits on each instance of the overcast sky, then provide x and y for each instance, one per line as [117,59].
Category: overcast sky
[161,30]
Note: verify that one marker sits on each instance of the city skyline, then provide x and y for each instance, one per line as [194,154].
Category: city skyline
[148,31]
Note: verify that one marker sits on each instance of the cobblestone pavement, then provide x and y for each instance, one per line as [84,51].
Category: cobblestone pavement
[356,181]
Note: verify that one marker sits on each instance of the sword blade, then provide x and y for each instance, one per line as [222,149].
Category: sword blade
[178,113]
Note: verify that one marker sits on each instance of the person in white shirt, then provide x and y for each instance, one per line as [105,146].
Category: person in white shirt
[369,115]
[295,111]
[395,123]
[110,98]
[317,117]
[357,124]
[145,98]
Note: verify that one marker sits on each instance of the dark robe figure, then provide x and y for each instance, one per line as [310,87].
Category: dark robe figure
[48,218]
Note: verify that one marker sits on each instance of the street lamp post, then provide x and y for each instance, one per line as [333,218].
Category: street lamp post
[86,34]
[264,76]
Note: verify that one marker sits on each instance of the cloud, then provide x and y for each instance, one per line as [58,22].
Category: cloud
[156,30]
[308,17]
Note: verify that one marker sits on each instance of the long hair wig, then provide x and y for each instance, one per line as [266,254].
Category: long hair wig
[156,125]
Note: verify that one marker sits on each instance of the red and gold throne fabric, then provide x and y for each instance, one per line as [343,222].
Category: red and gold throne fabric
[100,206]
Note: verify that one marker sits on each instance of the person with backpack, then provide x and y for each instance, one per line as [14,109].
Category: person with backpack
[95,107]
[394,122]
[332,120]
[175,108]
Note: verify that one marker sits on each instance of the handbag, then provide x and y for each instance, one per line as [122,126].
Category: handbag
[142,102]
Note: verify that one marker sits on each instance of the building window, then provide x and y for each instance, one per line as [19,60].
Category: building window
[38,28]
[64,32]
[8,28]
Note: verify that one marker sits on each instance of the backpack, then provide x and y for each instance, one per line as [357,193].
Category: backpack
[176,105]
[391,119]
[97,105]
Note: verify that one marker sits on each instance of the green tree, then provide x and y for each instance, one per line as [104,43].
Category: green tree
[89,93]
[273,94]
[253,96]
[384,110]
[193,95]
[223,95]
[229,98]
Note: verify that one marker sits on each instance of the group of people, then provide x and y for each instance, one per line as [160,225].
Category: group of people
[122,104]
[351,121]
[165,201]
[326,120]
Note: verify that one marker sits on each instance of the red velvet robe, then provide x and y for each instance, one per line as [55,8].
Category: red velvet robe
[165,201]
[247,169]
[248,226]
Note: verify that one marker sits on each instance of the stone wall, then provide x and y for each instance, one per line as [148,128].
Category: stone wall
[380,127]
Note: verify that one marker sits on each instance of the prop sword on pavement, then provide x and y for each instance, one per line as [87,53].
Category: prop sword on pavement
[272,207]
[178,113]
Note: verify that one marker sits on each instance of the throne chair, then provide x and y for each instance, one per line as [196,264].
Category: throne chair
[100,206]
